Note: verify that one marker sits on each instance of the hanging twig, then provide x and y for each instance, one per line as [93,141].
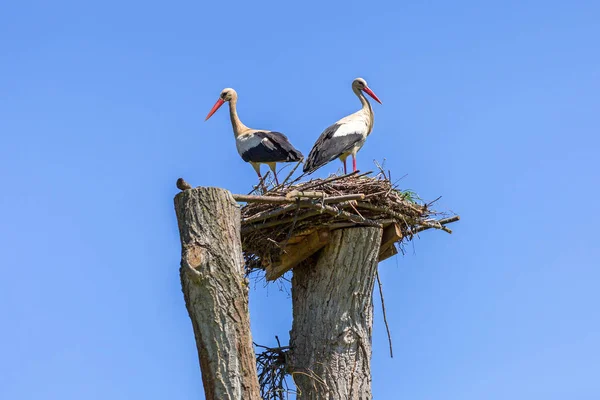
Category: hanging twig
[289,235]
[387,328]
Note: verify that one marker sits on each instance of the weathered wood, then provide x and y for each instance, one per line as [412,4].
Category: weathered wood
[387,253]
[250,198]
[296,193]
[333,317]
[297,252]
[391,235]
[216,293]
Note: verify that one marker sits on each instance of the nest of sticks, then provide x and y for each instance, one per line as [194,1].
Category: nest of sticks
[274,217]
[271,364]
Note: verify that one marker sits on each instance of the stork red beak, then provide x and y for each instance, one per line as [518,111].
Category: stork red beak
[218,104]
[373,95]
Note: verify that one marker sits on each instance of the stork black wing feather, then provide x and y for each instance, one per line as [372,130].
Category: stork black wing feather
[329,147]
[273,147]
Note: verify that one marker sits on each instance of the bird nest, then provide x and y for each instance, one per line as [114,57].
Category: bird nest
[276,220]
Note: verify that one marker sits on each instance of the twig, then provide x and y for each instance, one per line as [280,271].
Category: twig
[251,198]
[402,217]
[430,203]
[335,199]
[346,215]
[387,328]
[297,193]
[442,222]
[340,225]
[261,183]
[376,194]
[381,170]
[255,227]
[282,184]
[271,214]
[363,174]
[328,180]
[279,348]
[289,235]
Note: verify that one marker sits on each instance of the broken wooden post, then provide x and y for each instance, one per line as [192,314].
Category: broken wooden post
[332,300]
[216,292]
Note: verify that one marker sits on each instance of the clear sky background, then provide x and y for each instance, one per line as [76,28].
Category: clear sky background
[493,105]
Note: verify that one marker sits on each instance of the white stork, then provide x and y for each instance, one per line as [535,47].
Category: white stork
[346,136]
[256,146]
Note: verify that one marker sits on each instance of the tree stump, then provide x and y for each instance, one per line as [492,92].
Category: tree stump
[333,317]
[216,292]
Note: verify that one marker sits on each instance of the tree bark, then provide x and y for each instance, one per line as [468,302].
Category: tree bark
[216,292]
[333,318]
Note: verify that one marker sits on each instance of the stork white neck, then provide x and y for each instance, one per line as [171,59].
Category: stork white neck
[238,126]
[366,107]
[363,100]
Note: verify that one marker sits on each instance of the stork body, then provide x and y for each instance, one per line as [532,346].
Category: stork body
[347,135]
[257,146]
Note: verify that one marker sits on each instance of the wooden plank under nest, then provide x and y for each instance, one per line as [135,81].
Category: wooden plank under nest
[297,251]
[391,235]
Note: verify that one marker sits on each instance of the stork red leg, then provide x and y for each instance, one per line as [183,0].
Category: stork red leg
[345,166]
[276,180]
[353,163]
[261,181]
[260,178]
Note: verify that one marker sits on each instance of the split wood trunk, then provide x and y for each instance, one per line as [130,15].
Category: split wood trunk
[333,317]
[216,292]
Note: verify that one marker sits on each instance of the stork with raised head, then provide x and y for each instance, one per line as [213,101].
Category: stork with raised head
[256,146]
[346,136]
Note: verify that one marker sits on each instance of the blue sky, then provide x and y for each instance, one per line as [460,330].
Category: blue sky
[493,105]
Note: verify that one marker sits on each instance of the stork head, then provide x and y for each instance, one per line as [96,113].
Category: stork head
[227,94]
[360,84]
